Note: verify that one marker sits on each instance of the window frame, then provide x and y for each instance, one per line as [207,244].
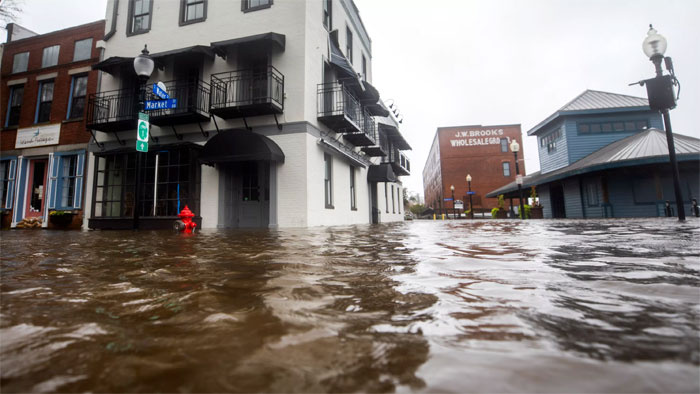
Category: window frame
[44,63]
[353,191]
[72,97]
[246,8]
[75,49]
[130,21]
[6,183]
[328,14]
[14,62]
[348,43]
[393,200]
[10,105]
[364,68]
[183,12]
[386,196]
[504,145]
[328,180]
[505,167]
[39,103]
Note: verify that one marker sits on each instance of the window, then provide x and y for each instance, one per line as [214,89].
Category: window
[348,44]
[139,16]
[192,11]
[83,50]
[327,16]
[393,201]
[20,62]
[353,199]
[550,140]
[592,193]
[386,196]
[50,57]
[253,5]
[504,144]
[249,175]
[612,127]
[364,68]
[506,168]
[398,198]
[6,183]
[76,105]
[67,172]
[328,179]
[14,106]
[43,105]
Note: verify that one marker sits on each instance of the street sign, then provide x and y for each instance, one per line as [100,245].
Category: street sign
[448,199]
[160,92]
[160,104]
[471,192]
[142,127]
[459,205]
[141,146]
[519,179]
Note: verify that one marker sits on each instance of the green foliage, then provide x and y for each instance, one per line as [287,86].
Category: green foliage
[526,209]
[60,213]
[494,212]
[417,209]
[501,201]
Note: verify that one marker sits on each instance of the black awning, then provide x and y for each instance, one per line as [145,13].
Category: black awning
[392,132]
[381,173]
[272,38]
[114,63]
[377,110]
[240,145]
[350,156]
[196,50]
[341,62]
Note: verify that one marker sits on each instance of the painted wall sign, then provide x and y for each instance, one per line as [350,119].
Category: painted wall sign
[483,137]
[38,136]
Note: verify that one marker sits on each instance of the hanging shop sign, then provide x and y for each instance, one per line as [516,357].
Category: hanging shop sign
[38,136]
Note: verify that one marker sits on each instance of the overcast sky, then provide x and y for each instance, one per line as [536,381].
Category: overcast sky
[490,62]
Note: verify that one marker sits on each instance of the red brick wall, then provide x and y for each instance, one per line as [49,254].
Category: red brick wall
[72,132]
[476,151]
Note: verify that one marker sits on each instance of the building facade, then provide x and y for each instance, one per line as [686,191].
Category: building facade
[606,155]
[276,123]
[46,80]
[480,151]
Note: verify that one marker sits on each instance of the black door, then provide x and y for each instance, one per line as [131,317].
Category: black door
[556,199]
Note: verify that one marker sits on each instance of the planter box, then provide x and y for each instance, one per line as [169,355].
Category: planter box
[501,214]
[5,219]
[70,221]
[536,213]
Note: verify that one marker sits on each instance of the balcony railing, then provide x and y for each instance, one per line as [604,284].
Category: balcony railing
[367,136]
[250,92]
[338,108]
[192,103]
[399,162]
[114,110]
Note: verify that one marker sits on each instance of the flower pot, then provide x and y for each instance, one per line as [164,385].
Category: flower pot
[536,213]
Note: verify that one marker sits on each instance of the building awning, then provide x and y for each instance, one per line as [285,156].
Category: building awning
[377,110]
[114,63]
[346,155]
[240,145]
[381,173]
[277,39]
[392,132]
[197,50]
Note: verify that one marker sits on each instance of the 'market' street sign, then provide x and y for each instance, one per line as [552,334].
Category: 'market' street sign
[160,104]
[142,133]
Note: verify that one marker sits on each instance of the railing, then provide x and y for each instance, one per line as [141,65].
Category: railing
[333,99]
[192,97]
[369,126]
[111,106]
[246,87]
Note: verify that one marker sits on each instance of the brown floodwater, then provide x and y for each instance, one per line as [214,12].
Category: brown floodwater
[465,306]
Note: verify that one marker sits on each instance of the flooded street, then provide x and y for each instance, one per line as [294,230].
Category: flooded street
[466,306]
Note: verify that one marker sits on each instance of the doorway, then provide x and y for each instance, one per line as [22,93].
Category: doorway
[246,195]
[556,197]
[37,188]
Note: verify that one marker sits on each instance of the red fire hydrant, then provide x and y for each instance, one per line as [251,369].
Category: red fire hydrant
[185,223]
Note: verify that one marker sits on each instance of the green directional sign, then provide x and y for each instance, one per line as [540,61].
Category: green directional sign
[141,146]
[142,128]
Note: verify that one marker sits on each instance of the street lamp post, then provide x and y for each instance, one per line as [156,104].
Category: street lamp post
[515,147]
[469,188]
[661,98]
[143,66]
[454,211]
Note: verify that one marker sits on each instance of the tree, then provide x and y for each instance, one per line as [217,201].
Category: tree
[10,11]
[417,209]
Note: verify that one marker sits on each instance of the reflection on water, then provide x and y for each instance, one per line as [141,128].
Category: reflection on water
[436,306]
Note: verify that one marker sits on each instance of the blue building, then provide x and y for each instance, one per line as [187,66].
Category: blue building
[605,155]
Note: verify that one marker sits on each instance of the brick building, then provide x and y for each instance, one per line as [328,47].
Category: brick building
[480,151]
[46,80]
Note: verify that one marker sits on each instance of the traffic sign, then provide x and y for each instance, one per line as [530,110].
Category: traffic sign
[471,192]
[142,127]
[160,92]
[459,205]
[160,104]
[141,146]
[519,179]
[448,199]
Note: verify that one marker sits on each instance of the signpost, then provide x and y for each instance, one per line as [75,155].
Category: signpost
[142,133]
[459,204]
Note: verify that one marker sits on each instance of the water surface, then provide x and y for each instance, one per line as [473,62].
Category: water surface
[465,306]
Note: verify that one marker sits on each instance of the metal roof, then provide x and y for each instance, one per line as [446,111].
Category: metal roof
[646,147]
[594,100]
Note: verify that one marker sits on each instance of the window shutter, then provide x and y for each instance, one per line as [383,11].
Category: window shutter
[11,184]
[53,181]
[78,195]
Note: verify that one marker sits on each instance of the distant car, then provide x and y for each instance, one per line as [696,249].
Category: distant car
[408,216]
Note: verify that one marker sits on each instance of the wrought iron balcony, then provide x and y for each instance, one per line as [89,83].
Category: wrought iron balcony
[114,110]
[338,108]
[367,136]
[243,93]
[381,145]
[399,162]
[192,103]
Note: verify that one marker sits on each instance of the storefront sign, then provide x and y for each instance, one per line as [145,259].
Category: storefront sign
[477,137]
[38,136]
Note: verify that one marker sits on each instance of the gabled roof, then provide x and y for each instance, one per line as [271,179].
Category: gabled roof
[594,101]
[647,147]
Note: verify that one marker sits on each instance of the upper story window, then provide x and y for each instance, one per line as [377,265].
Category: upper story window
[20,62]
[140,12]
[76,106]
[83,50]
[14,106]
[50,56]
[612,127]
[192,11]
[43,106]
[348,44]
[253,5]
[364,68]
[504,145]
[506,168]
[327,14]
[328,179]
[550,140]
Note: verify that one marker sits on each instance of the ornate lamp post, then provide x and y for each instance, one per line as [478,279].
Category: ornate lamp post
[515,147]
[469,188]
[143,67]
[454,211]
[661,98]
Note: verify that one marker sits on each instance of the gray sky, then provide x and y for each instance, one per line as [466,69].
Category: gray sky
[488,62]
